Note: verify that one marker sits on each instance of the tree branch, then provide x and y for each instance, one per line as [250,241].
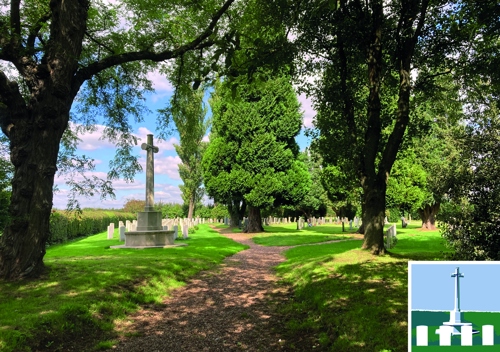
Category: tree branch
[99,43]
[11,102]
[86,73]
[35,30]
[15,22]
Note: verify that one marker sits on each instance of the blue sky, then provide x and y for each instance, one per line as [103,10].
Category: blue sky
[167,178]
[431,286]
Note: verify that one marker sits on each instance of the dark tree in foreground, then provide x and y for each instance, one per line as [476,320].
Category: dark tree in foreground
[252,155]
[364,52]
[56,48]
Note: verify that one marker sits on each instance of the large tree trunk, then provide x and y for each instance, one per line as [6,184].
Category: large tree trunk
[373,183]
[428,216]
[254,220]
[234,216]
[373,218]
[35,129]
[236,211]
[34,155]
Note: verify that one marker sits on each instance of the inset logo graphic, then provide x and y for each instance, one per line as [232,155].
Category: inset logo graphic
[453,303]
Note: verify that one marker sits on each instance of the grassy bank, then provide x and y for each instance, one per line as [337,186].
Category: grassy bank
[345,299]
[89,288]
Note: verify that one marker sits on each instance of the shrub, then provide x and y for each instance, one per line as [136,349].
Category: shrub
[219,211]
[65,225]
[393,215]
[134,206]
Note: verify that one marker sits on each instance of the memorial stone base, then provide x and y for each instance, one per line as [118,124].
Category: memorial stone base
[149,234]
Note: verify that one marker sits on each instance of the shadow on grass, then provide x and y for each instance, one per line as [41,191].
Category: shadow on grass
[357,307]
[88,286]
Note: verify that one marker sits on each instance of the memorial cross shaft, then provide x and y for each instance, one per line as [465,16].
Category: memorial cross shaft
[150,175]
[457,275]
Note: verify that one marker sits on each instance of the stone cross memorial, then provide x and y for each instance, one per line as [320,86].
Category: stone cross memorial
[149,220]
[455,315]
[150,172]
[149,232]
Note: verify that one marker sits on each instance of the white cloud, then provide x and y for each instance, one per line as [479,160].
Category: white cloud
[162,86]
[93,140]
[206,138]
[309,112]
[166,165]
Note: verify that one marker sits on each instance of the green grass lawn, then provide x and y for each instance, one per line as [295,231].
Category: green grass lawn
[346,299]
[288,235]
[90,287]
[342,298]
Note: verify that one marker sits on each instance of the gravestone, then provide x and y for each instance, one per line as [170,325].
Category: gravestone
[403,222]
[391,238]
[147,231]
[122,233]
[176,231]
[111,230]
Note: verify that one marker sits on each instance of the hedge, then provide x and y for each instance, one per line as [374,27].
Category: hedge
[65,226]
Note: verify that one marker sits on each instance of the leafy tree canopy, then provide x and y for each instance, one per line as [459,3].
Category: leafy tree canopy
[252,155]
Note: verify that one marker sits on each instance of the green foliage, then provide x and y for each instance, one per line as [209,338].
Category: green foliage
[252,152]
[219,211]
[65,225]
[171,210]
[315,203]
[188,112]
[472,219]
[393,215]
[134,206]
[342,191]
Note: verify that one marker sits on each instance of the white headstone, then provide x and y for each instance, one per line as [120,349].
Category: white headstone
[184,231]
[466,334]
[422,335]
[122,233]
[111,231]
[445,335]
[176,231]
[488,335]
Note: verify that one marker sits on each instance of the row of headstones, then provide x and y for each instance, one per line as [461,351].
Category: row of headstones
[322,221]
[131,226]
[313,221]
[446,331]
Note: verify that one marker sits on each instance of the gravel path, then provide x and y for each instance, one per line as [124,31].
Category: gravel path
[225,309]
